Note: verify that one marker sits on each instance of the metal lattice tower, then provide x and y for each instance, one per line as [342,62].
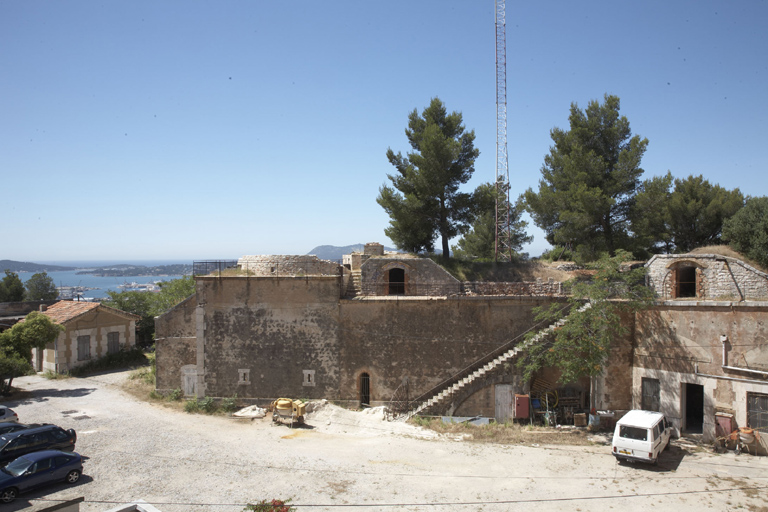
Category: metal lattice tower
[503,246]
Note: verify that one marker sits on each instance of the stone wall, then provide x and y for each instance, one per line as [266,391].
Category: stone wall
[423,277]
[175,344]
[537,288]
[268,337]
[718,277]
[280,265]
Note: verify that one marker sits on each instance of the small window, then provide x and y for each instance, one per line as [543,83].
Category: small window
[113,342]
[244,376]
[83,348]
[757,411]
[309,378]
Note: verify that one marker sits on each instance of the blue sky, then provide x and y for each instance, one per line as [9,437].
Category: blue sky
[201,130]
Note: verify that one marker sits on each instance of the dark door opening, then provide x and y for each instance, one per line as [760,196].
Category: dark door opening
[365,390]
[694,408]
[686,282]
[397,281]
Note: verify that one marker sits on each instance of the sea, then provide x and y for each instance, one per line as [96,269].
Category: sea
[99,286]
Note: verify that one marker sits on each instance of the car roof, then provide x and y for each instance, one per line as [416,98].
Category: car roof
[44,454]
[639,418]
[12,435]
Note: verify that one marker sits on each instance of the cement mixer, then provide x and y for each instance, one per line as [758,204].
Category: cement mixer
[287,408]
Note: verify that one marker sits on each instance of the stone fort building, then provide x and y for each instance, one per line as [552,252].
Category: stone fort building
[389,328]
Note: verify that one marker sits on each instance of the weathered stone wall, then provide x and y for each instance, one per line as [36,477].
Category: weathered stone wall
[282,265]
[422,277]
[422,340]
[175,344]
[538,288]
[268,337]
[680,343]
[719,277]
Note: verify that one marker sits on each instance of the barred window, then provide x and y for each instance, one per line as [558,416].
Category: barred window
[757,411]
[83,348]
[113,342]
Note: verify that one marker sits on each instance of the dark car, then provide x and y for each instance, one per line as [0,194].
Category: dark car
[7,428]
[47,437]
[37,469]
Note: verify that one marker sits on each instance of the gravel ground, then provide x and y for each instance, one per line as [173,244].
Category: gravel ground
[346,460]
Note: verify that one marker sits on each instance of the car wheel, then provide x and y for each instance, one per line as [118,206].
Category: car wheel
[72,477]
[8,495]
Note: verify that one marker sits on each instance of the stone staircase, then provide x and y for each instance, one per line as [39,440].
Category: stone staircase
[483,369]
[355,285]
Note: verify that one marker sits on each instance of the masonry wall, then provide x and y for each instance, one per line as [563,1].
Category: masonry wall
[719,277]
[288,265]
[680,343]
[175,344]
[423,277]
[261,337]
[422,340]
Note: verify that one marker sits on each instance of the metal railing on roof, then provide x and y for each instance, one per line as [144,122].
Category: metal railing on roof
[212,267]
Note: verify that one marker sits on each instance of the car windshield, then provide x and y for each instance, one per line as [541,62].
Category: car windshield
[18,466]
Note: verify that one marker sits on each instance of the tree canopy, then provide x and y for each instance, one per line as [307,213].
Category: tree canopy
[16,344]
[580,347]
[148,304]
[424,201]
[41,287]
[11,288]
[747,230]
[480,241]
[589,180]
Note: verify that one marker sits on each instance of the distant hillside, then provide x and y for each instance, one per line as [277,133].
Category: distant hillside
[21,266]
[335,253]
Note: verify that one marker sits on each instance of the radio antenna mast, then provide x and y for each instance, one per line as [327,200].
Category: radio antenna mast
[503,245]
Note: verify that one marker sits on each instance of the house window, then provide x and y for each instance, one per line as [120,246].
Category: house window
[244,376]
[649,399]
[397,281]
[757,411]
[309,378]
[365,390]
[686,282]
[83,348]
[113,342]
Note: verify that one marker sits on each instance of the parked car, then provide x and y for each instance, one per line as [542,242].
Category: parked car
[47,437]
[8,427]
[641,436]
[38,469]
[7,414]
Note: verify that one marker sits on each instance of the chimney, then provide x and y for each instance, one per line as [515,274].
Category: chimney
[43,307]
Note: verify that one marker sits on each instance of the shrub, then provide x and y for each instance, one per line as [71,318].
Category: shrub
[122,359]
[174,395]
[192,405]
[229,404]
[270,506]
[208,405]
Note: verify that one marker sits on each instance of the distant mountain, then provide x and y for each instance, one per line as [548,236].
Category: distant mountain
[21,266]
[335,253]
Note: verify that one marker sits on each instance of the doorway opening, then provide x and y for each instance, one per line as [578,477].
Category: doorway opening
[397,281]
[365,390]
[686,282]
[694,408]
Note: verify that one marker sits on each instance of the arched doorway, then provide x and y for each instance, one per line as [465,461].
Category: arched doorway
[397,281]
[365,390]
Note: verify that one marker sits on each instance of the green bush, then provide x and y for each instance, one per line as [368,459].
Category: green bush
[270,506]
[174,395]
[208,405]
[229,404]
[192,405]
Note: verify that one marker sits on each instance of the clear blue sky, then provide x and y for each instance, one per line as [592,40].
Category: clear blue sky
[192,130]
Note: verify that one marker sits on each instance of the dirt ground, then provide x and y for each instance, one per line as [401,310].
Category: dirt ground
[357,461]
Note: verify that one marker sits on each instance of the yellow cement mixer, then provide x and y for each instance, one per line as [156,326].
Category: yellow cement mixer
[286,408]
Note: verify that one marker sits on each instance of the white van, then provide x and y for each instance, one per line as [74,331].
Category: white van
[641,436]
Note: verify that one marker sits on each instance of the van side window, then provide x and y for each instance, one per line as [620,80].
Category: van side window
[656,431]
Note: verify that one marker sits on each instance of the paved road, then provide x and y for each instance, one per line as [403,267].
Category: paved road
[352,461]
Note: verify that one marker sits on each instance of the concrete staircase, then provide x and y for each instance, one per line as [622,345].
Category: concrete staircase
[355,285]
[485,369]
